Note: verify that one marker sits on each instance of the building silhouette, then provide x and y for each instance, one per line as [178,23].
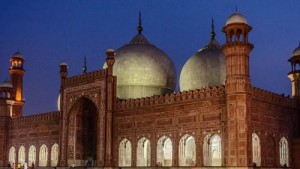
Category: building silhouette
[128,113]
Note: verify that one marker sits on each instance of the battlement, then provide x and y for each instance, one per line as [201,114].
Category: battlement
[268,96]
[36,118]
[203,93]
[84,77]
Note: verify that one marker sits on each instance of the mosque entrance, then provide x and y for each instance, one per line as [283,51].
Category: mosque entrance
[82,133]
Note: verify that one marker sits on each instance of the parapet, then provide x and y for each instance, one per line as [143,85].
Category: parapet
[267,96]
[176,97]
[84,77]
[36,118]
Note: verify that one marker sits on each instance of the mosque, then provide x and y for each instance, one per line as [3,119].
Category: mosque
[128,114]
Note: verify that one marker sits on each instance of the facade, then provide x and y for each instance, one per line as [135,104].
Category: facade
[128,114]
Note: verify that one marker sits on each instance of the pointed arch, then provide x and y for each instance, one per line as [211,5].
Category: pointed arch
[125,150]
[21,155]
[216,150]
[212,150]
[12,155]
[284,152]
[82,132]
[54,155]
[43,156]
[31,155]
[187,151]
[256,152]
[143,157]
[164,151]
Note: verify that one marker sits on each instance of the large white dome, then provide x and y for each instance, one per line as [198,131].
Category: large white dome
[143,70]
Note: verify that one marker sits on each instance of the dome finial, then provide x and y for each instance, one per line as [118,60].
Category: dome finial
[140,28]
[236,8]
[84,67]
[212,33]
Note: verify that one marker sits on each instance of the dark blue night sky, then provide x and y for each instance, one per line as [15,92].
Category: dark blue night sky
[50,32]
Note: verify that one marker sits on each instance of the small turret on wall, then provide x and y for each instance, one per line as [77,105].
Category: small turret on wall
[6,99]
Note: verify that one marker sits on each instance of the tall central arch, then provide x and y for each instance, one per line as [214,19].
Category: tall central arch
[82,133]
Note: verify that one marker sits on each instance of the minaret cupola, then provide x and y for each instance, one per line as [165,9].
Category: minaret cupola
[237,49]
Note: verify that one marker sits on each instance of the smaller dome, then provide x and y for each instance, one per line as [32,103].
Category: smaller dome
[205,68]
[110,50]
[296,52]
[17,55]
[6,84]
[63,64]
[236,18]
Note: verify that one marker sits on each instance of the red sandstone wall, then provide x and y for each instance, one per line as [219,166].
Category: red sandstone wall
[196,113]
[34,130]
[3,139]
[272,117]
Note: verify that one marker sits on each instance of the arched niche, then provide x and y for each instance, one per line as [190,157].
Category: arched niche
[125,151]
[143,157]
[164,151]
[82,133]
[187,151]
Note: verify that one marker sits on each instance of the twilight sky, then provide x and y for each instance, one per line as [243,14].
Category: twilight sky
[50,32]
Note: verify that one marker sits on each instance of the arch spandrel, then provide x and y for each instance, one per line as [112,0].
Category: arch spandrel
[78,101]
[75,98]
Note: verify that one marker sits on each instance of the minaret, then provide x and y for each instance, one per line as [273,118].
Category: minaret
[238,96]
[16,72]
[294,75]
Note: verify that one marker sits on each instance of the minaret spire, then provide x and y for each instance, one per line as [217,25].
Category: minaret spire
[212,33]
[84,68]
[140,28]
